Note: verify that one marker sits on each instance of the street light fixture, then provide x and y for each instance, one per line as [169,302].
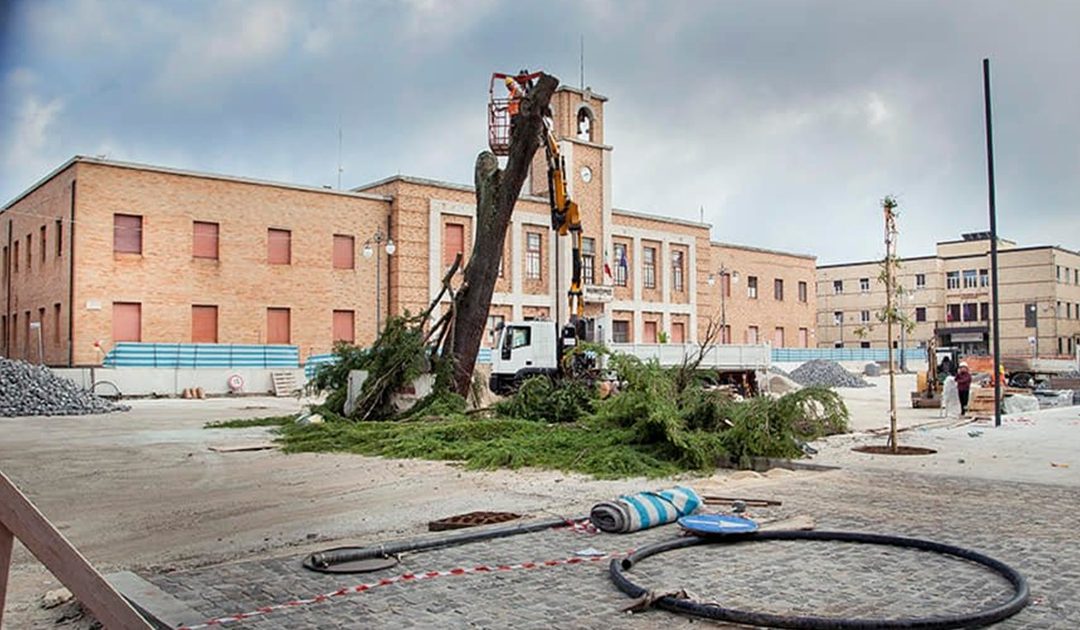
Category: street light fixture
[370,246]
[733,277]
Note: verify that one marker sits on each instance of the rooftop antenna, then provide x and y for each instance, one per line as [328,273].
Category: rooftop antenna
[339,169]
[582,70]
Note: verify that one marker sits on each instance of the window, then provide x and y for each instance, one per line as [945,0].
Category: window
[344,252]
[725,284]
[952,280]
[864,344]
[802,293]
[864,317]
[620,331]
[204,324]
[648,255]
[778,290]
[778,338]
[971,311]
[984,277]
[344,326]
[520,337]
[532,255]
[56,323]
[584,125]
[59,238]
[649,332]
[15,255]
[1060,313]
[29,252]
[920,313]
[970,279]
[678,332]
[278,325]
[4,270]
[984,311]
[453,243]
[920,281]
[494,323]
[838,317]
[751,334]
[837,287]
[725,333]
[278,247]
[751,287]
[588,261]
[127,234]
[804,338]
[621,264]
[1030,315]
[127,321]
[1059,273]
[864,285]
[838,344]
[677,270]
[953,313]
[204,240]
[43,248]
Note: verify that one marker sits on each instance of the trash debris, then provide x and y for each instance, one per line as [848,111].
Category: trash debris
[1056,465]
[54,598]
[631,513]
[591,552]
[33,390]
[826,374]
[263,446]
[974,434]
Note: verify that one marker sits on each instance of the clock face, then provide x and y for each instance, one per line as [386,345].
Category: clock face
[586,174]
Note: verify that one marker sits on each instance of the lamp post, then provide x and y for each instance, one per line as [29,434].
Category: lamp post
[732,276]
[370,247]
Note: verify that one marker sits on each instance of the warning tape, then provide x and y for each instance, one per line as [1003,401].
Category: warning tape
[387,581]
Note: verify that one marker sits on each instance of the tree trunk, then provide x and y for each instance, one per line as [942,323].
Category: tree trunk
[497,192]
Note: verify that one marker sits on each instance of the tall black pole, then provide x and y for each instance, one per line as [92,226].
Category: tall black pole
[993,245]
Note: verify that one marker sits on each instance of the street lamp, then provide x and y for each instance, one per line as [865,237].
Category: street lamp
[370,246]
[732,276]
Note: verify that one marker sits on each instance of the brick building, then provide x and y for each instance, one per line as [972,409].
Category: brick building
[948,296]
[100,252]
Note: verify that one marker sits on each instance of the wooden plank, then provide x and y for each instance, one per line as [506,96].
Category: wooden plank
[7,540]
[63,560]
[160,608]
[242,447]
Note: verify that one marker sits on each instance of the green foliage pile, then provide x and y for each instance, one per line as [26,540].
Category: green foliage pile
[543,399]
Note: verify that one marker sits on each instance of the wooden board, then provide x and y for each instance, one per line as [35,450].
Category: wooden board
[243,447]
[21,518]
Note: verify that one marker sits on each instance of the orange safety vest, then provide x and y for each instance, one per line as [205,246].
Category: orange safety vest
[514,106]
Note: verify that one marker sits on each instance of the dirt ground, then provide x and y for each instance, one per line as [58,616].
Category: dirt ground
[142,491]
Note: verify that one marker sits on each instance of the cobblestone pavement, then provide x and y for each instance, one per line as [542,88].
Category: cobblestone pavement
[1031,527]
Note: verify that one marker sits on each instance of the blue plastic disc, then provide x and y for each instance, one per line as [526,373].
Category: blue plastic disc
[717,524]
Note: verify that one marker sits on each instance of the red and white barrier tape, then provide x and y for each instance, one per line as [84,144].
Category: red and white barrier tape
[387,581]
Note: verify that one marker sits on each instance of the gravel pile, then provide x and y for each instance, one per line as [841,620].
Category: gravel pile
[826,374]
[32,390]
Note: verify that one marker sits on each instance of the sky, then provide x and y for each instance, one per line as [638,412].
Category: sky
[785,123]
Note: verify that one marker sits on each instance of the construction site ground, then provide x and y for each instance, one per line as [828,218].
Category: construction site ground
[224,532]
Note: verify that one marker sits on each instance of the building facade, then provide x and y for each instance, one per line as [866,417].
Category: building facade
[948,297]
[100,252]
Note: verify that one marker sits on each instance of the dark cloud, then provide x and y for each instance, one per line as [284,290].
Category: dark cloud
[786,121]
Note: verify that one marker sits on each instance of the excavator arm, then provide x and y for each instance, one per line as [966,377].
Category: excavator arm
[565,219]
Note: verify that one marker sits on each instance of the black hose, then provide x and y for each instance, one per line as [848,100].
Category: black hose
[714,611]
[322,560]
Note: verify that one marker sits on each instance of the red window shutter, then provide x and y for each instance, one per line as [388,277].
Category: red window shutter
[778,338]
[650,332]
[204,324]
[344,256]
[127,321]
[453,242]
[277,325]
[127,233]
[204,240]
[278,247]
[678,333]
[344,326]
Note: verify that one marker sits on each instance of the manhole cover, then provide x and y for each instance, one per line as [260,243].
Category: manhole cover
[880,449]
[472,519]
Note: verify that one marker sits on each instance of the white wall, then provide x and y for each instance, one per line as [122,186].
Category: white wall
[143,381]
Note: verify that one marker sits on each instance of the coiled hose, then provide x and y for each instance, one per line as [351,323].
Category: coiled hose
[713,611]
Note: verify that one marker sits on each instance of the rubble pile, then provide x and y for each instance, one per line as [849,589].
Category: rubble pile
[32,390]
[826,374]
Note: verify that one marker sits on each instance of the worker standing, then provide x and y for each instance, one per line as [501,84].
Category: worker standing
[963,386]
[513,104]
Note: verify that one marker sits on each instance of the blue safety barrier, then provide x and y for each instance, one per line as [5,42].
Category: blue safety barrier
[801,355]
[202,355]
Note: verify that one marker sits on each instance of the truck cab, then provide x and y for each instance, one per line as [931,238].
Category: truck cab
[522,350]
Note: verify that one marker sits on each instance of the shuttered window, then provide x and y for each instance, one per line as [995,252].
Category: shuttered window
[127,233]
[344,255]
[56,324]
[344,326]
[650,332]
[204,324]
[127,321]
[778,338]
[453,243]
[204,240]
[277,325]
[278,247]
[678,332]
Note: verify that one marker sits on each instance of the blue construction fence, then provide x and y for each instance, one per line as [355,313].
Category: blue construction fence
[202,355]
[802,355]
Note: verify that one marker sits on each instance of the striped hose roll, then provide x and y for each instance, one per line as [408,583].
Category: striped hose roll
[630,513]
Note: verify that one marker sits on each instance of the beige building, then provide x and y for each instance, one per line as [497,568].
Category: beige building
[101,252]
[948,296]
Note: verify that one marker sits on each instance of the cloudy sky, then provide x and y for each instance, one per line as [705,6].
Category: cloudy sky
[785,121]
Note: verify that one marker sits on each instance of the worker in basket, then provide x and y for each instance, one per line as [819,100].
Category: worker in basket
[517,87]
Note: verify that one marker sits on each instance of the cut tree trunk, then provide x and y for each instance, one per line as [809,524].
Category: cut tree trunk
[497,191]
